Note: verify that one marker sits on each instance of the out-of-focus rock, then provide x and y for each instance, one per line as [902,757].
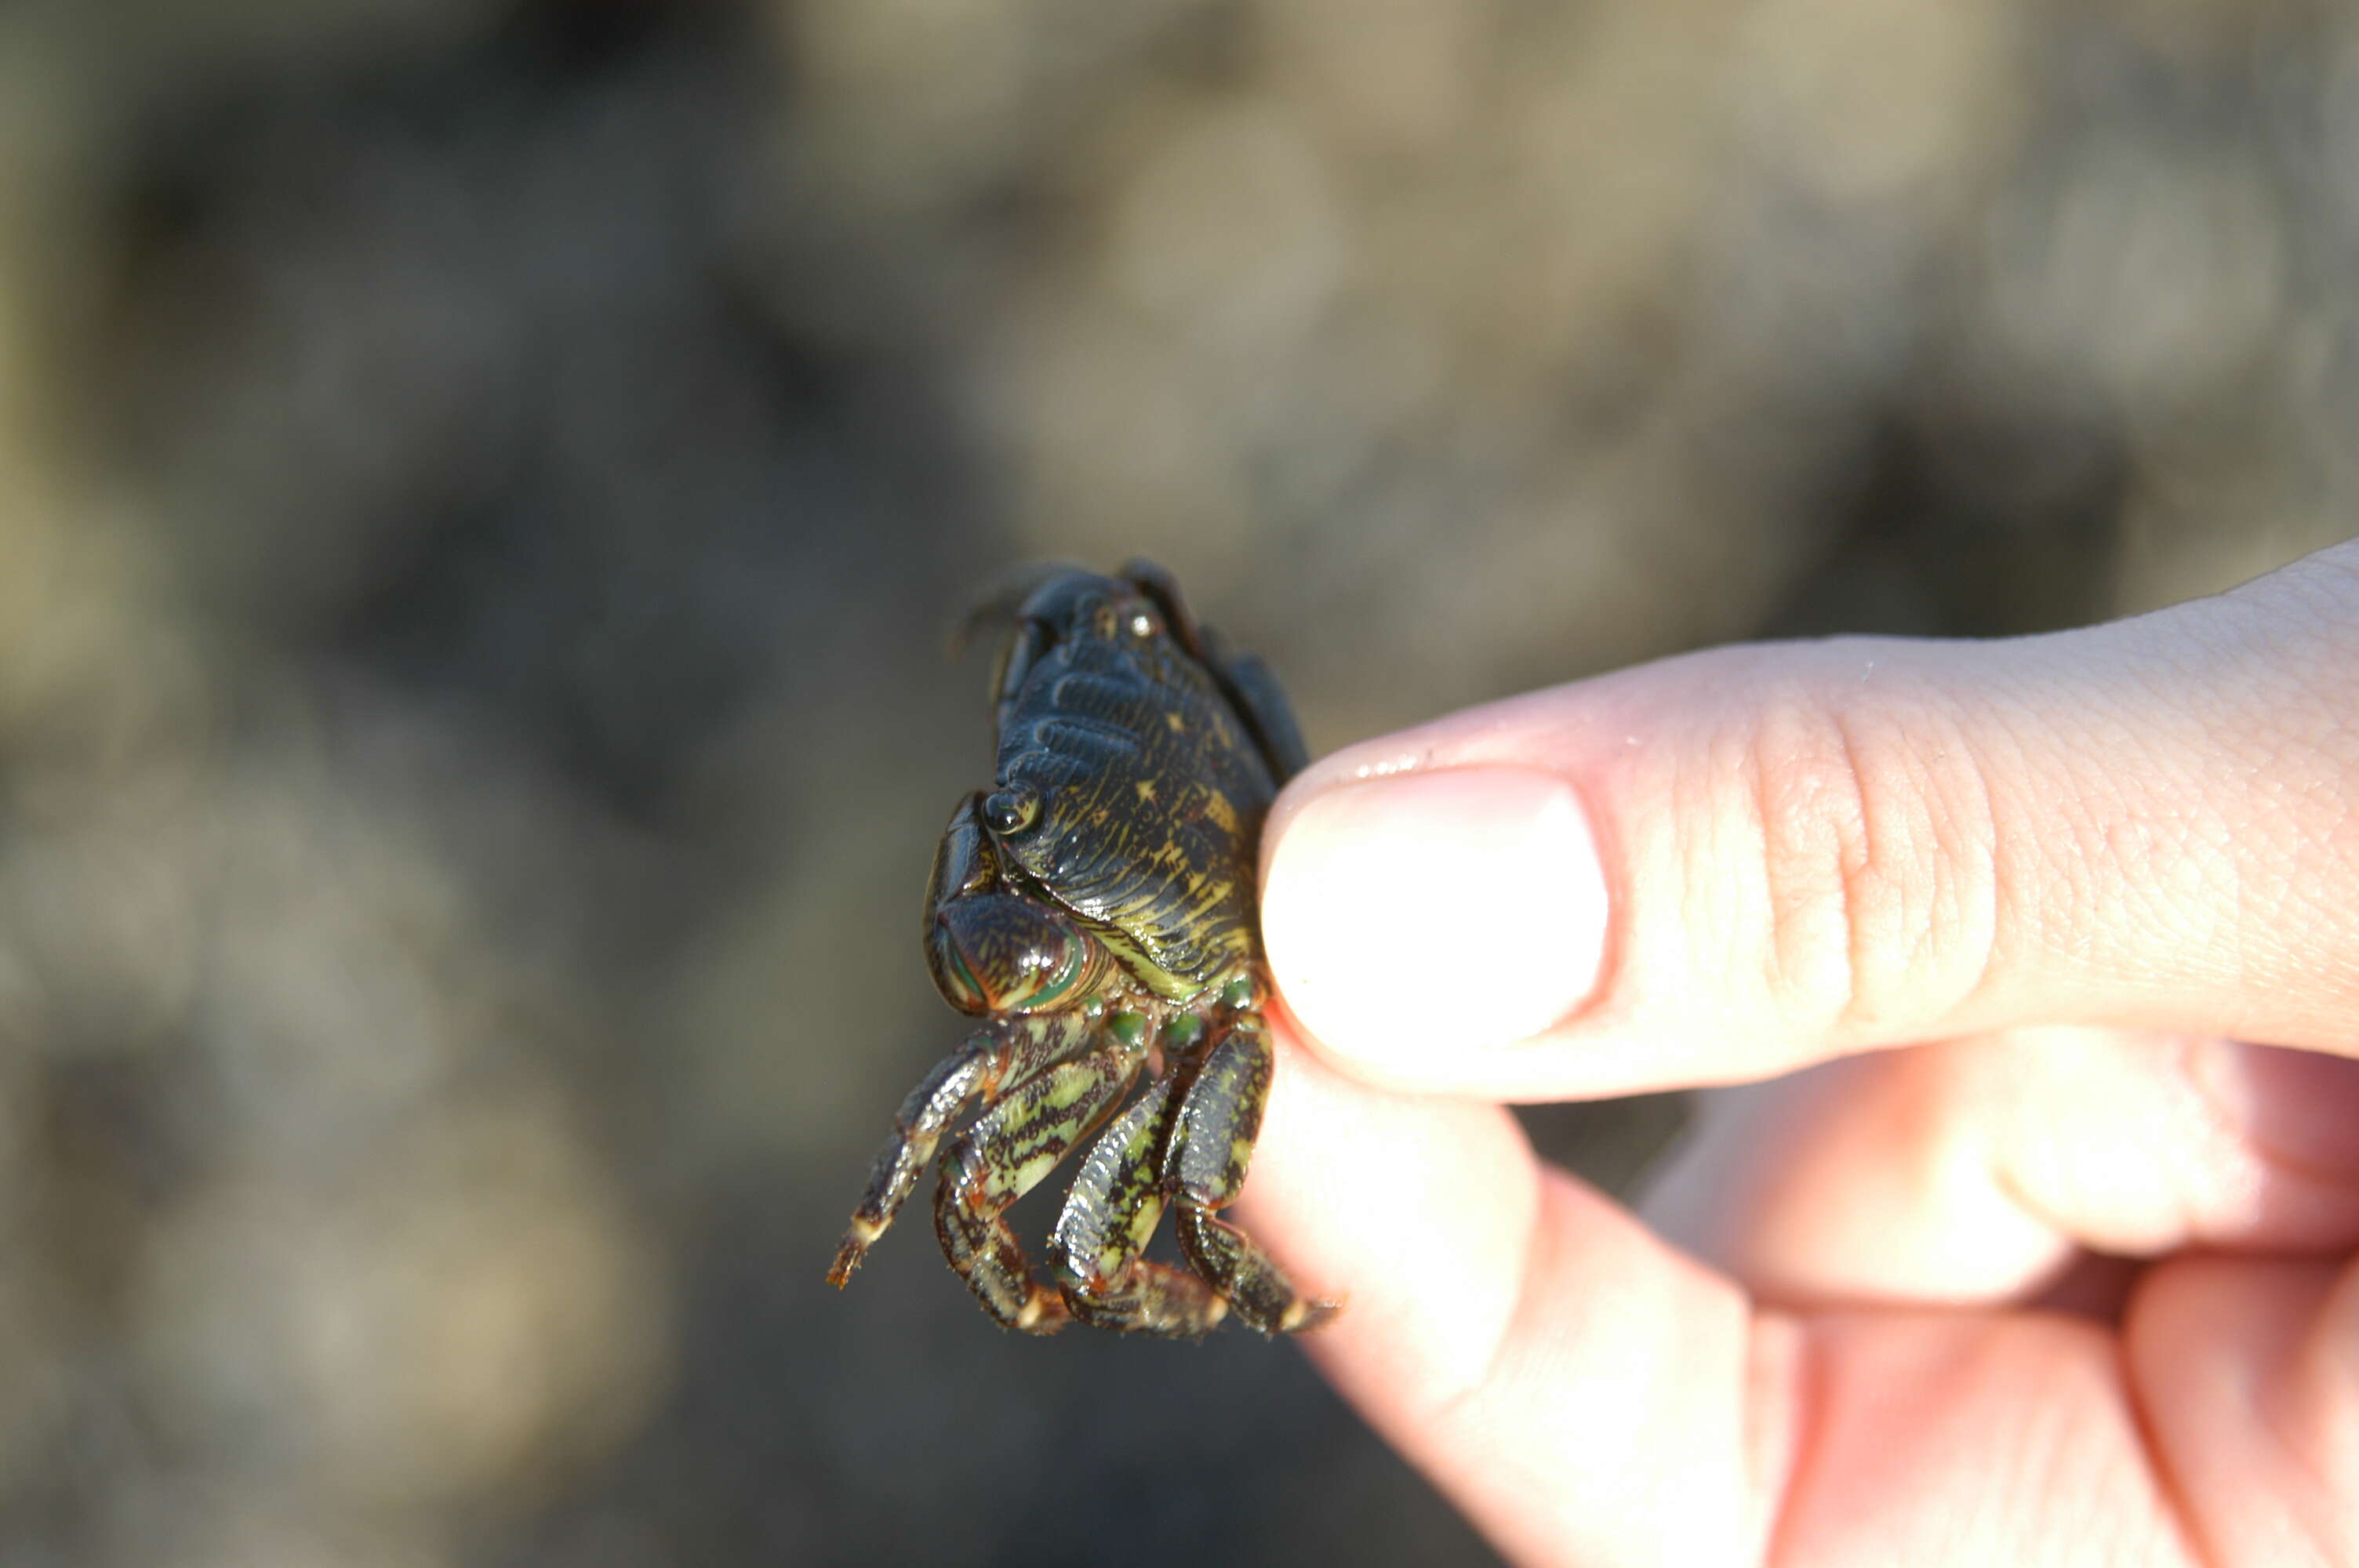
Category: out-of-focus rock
[457,1317]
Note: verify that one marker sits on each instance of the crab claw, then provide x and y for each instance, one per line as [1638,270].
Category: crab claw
[997,953]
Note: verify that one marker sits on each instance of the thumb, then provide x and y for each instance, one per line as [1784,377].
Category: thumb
[1728,865]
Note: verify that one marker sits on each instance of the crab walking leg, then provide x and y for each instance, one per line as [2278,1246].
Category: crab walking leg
[988,1062]
[1204,1167]
[1005,1155]
[1112,1210]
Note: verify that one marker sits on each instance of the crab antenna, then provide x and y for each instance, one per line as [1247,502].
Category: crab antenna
[1003,594]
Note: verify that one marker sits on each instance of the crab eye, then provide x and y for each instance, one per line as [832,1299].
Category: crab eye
[1012,810]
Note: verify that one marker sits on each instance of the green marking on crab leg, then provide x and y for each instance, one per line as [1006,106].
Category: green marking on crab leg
[990,1061]
[1010,1148]
[1204,1166]
[1112,1210]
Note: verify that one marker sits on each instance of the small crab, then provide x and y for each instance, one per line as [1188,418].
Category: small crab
[1096,907]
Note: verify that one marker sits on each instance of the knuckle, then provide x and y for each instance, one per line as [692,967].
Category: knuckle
[1879,889]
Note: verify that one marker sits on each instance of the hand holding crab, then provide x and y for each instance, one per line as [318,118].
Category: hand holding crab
[2040,1261]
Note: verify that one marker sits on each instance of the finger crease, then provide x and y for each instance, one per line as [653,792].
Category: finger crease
[1854,855]
[2169,1487]
[1536,1239]
[1995,918]
[1803,1389]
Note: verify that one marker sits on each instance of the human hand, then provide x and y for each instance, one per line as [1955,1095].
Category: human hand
[2084,864]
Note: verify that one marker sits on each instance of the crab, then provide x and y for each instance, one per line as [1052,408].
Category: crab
[1096,909]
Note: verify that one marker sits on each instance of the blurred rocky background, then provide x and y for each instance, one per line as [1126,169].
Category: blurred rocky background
[482,485]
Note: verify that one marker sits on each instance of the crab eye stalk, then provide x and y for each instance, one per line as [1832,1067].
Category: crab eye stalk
[1012,810]
[999,953]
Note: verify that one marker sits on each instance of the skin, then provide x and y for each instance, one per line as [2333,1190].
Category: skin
[1993,1243]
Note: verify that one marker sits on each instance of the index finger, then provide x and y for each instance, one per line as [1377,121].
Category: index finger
[1587,1394]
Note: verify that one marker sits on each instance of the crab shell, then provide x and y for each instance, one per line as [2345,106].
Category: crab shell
[1136,765]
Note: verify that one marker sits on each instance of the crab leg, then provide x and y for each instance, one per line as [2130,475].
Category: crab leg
[1112,1210]
[1204,1168]
[988,1062]
[1007,1151]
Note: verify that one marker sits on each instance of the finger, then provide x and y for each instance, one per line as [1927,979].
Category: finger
[1585,1393]
[1571,1384]
[2228,1434]
[2248,1374]
[1725,866]
[1981,1170]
